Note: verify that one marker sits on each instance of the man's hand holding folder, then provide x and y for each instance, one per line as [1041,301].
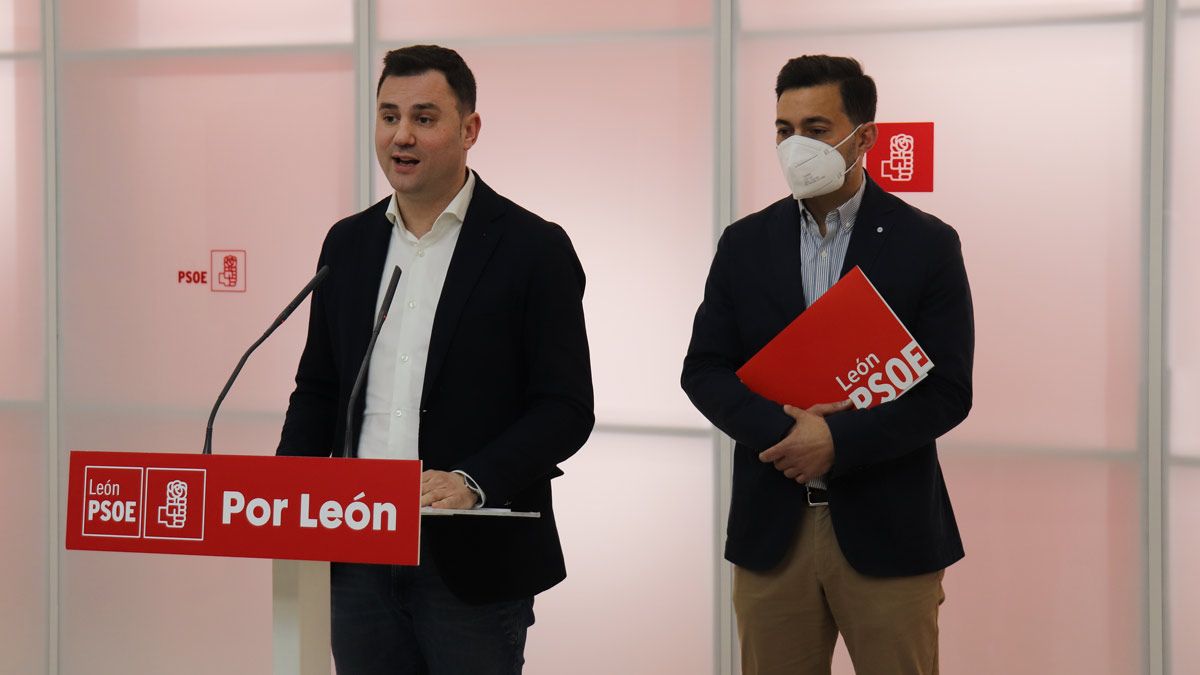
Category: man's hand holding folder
[807,451]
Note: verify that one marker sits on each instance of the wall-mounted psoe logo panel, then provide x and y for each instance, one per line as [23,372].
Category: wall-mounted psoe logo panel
[227,273]
[175,503]
[902,159]
[112,501]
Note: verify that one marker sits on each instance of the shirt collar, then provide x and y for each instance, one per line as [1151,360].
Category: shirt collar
[455,213]
[846,214]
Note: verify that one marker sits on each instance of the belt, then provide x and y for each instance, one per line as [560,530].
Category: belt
[817,496]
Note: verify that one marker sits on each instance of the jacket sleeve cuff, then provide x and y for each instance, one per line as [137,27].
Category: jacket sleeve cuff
[473,487]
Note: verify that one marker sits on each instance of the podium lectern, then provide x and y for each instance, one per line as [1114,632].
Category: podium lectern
[302,512]
[300,617]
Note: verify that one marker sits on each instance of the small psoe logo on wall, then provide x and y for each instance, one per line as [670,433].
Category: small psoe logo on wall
[902,159]
[228,271]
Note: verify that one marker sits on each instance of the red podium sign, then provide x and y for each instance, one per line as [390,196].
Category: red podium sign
[298,508]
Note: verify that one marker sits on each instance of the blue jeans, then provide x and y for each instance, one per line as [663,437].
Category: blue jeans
[390,620]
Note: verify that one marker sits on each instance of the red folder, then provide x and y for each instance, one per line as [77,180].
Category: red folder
[847,344]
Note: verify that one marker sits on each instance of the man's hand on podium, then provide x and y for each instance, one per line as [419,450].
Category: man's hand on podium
[445,490]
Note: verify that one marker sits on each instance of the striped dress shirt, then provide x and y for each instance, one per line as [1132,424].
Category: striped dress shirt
[822,257]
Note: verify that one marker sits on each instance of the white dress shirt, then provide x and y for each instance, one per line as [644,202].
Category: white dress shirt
[391,422]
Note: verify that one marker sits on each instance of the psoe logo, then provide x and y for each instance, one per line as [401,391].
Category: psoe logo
[112,501]
[174,513]
[175,503]
[902,159]
[899,164]
[227,273]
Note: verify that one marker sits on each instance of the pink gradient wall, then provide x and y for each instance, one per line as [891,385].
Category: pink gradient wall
[187,127]
[192,143]
[639,557]
[25,582]
[620,155]
[399,20]
[22,259]
[166,159]
[177,157]
[20,25]
[850,17]
[141,24]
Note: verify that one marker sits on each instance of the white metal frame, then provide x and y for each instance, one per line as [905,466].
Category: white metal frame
[54,472]
[1154,191]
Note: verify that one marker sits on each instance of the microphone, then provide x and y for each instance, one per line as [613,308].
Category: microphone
[362,370]
[287,311]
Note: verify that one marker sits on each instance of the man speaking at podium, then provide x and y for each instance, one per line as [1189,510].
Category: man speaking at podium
[840,520]
[481,370]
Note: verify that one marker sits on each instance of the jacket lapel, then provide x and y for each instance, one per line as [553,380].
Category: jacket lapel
[480,233]
[365,289]
[785,251]
[871,228]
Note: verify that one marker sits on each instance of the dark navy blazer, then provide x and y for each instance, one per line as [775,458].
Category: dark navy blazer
[887,498]
[507,391]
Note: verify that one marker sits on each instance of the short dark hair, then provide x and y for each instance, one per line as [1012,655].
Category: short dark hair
[420,59]
[857,89]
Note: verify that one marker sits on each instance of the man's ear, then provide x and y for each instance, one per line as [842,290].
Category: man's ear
[867,137]
[471,126]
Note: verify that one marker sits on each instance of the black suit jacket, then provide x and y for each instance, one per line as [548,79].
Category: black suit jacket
[507,391]
[890,509]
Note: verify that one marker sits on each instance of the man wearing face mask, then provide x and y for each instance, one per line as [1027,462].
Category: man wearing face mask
[840,520]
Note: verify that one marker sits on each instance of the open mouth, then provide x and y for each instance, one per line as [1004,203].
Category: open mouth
[405,161]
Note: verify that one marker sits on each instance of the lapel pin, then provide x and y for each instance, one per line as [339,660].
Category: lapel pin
[879,230]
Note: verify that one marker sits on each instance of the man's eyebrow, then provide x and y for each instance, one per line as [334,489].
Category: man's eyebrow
[814,119]
[392,107]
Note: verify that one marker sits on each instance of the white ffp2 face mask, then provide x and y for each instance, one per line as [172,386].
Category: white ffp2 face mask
[813,168]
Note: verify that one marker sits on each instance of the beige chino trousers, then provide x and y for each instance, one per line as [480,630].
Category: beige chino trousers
[789,617]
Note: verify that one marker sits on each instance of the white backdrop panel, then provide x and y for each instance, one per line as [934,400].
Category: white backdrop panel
[451,20]
[23,505]
[851,16]
[137,24]
[175,158]
[22,232]
[20,25]
[624,163]
[636,517]
[25,581]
